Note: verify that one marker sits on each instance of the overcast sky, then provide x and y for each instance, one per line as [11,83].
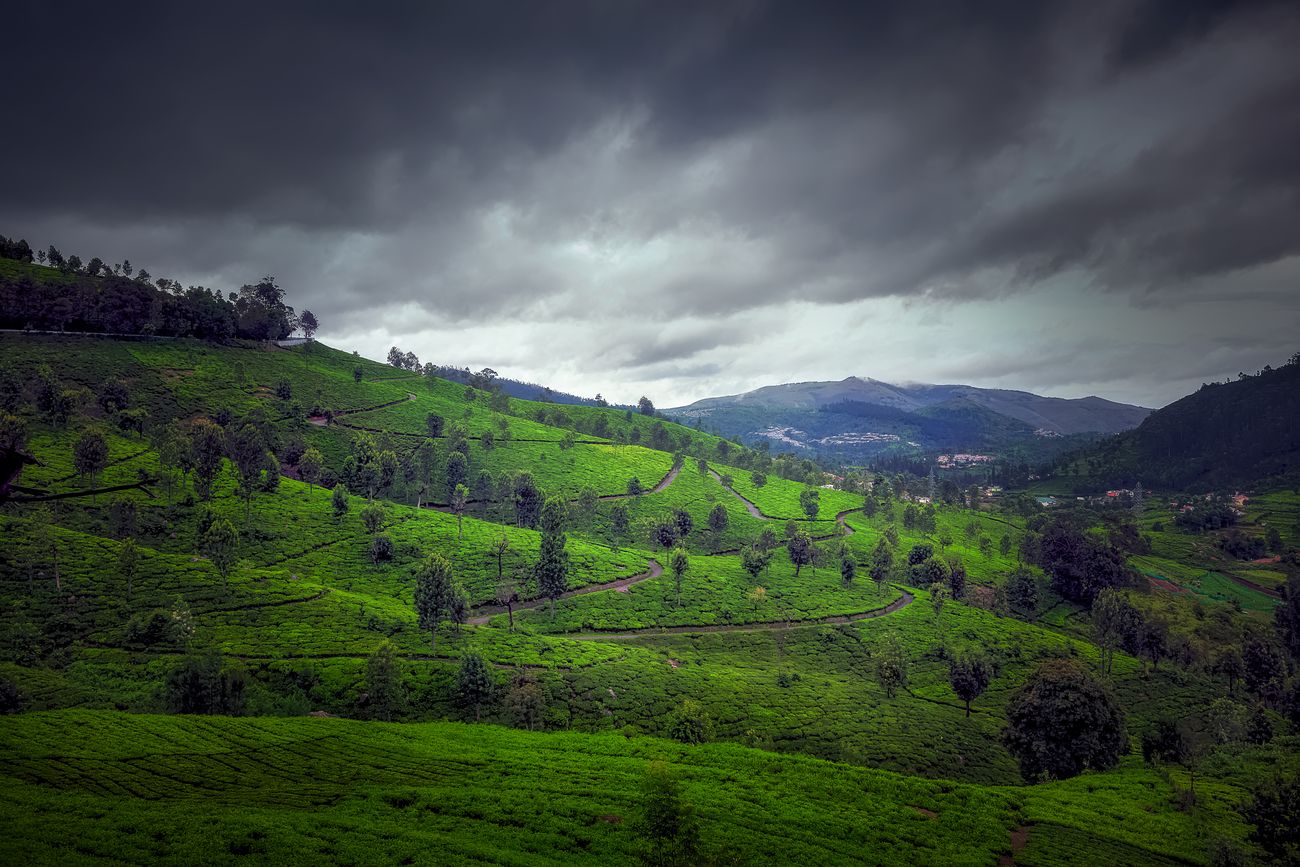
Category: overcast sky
[691,199]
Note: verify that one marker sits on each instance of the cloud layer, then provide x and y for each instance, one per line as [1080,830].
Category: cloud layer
[690,199]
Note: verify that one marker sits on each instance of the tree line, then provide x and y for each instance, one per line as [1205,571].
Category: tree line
[119,299]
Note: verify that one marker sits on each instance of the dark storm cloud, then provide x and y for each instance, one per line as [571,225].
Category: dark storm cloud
[406,167]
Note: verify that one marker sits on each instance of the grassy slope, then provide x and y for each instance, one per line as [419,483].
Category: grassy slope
[165,789]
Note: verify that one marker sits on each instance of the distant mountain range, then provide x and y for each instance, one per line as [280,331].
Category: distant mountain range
[867,416]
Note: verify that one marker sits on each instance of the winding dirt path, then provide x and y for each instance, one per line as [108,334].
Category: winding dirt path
[663,483]
[620,586]
[764,626]
[844,529]
[753,509]
[320,420]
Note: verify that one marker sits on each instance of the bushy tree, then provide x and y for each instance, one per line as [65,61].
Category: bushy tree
[385,693]
[90,456]
[810,502]
[800,548]
[220,544]
[339,500]
[969,675]
[309,467]
[689,723]
[435,592]
[891,664]
[1062,722]
[718,520]
[528,501]
[474,684]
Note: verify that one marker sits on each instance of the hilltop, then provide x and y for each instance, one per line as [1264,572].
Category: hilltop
[1242,433]
[864,416]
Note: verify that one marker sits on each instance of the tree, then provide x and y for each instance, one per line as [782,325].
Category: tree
[689,723]
[1265,668]
[1022,591]
[956,577]
[1286,617]
[208,446]
[619,522]
[307,322]
[434,591]
[667,825]
[339,501]
[457,472]
[309,467]
[679,564]
[718,520]
[1062,722]
[386,696]
[848,568]
[204,684]
[754,560]
[810,502]
[507,594]
[459,500]
[634,488]
[90,456]
[1112,616]
[552,568]
[891,664]
[882,561]
[474,684]
[249,454]
[381,549]
[525,700]
[219,545]
[587,500]
[938,596]
[664,533]
[800,548]
[433,423]
[528,501]
[1080,566]
[372,517]
[356,375]
[969,676]
[1230,665]
[644,406]
[685,523]
[1274,810]
[758,479]
[128,559]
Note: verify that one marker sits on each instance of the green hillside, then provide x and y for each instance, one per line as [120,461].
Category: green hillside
[747,682]
[1241,433]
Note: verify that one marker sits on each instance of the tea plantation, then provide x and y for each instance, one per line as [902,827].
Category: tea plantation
[219,641]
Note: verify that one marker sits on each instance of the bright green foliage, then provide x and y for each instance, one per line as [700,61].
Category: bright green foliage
[220,544]
[434,594]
